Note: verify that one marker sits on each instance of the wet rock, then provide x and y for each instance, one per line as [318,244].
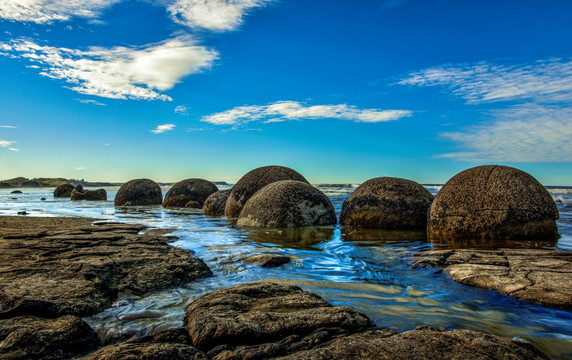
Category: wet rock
[387,203]
[89,195]
[253,181]
[267,260]
[193,205]
[422,343]
[492,202]
[63,190]
[42,199]
[76,268]
[262,313]
[28,337]
[215,203]
[287,203]
[16,192]
[533,275]
[22,213]
[188,190]
[139,192]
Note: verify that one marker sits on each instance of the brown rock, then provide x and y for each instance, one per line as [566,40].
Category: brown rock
[28,337]
[189,190]
[139,192]
[387,203]
[287,203]
[492,202]
[215,203]
[267,260]
[253,181]
[63,190]
[89,195]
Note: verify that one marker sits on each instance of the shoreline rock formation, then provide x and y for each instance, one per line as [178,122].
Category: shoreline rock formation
[139,192]
[190,193]
[215,203]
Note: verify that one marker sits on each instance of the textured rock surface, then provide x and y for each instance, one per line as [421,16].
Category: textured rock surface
[90,195]
[253,181]
[139,192]
[287,203]
[492,202]
[215,203]
[67,266]
[387,203]
[259,313]
[28,337]
[533,275]
[188,190]
[267,260]
[63,190]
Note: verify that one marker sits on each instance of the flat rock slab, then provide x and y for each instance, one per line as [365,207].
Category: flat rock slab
[55,266]
[267,260]
[533,275]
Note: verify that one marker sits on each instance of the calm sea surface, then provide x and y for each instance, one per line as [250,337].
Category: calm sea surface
[368,271]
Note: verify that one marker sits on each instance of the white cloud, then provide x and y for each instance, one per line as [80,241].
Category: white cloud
[542,81]
[293,110]
[214,15]
[92,102]
[47,11]
[79,168]
[182,110]
[6,143]
[163,128]
[8,126]
[14,149]
[119,72]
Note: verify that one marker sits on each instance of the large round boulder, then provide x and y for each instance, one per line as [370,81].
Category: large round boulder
[89,195]
[253,181]
[189,190]
[387,203]
[215,203]
[287,203]
[63,190]
[139,192]
[493,202]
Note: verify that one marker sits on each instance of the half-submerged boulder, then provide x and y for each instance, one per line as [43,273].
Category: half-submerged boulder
[215,203]
[139,192]
[387,203]
[286,204]
[492,202]
[253,181]
[187,191]
[90,195]
[63,190]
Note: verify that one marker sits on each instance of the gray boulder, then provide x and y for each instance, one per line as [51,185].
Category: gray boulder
[215,203]
[288,203]
[253,181]
[63,190]
[492,202]
[89,195]
[183,192]
[387,203]
[139,192]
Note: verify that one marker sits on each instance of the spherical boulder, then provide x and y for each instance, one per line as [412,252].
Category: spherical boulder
[139,192]
[63,190]
[287,203]
[215,203]
[189,190]
[90,195]
[387,203]
[253,181]
[492,202]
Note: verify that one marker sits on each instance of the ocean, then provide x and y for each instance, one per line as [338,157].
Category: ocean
[368,271]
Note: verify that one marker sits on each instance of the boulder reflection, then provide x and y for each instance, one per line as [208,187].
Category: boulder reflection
[369,236]
[303,238]
[493,244]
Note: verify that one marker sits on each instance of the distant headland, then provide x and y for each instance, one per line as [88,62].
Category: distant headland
[53,182]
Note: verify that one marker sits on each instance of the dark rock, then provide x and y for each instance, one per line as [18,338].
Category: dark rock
[16,192]
[193,205]
[139,192]
[533,275]
[79,188]
[189,190]
[215,203]
[423,343]
[28,337]
[253,181]
[387,203]
[287,203]
[64,190]
[492,202]
[259,313]
[267,260]
[43,199]
[22,213]
[89,195]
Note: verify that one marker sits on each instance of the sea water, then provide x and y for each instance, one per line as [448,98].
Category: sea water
[368,271]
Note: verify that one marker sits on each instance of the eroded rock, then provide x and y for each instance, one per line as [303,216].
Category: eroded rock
[63,190]
[189,190]
[215,203]
[139,192]
[89,195]
[267,260]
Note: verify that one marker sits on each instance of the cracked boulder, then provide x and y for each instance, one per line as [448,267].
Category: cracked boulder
[287,204]
[492,202]
[387,203]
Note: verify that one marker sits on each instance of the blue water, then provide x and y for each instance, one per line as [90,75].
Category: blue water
[368,271]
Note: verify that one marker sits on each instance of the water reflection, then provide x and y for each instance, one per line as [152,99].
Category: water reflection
[379,237]
[492,244]
[306,238]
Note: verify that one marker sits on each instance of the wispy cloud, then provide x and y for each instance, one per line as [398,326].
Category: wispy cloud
[214,15]
[79,168]
[119,72]
[163,128]
[92,102]
[6,143]
[182,110]
[292,110]
[14,149]
[8,126]
[47,11]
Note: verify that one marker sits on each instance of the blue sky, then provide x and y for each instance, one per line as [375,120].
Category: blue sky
[341,91]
